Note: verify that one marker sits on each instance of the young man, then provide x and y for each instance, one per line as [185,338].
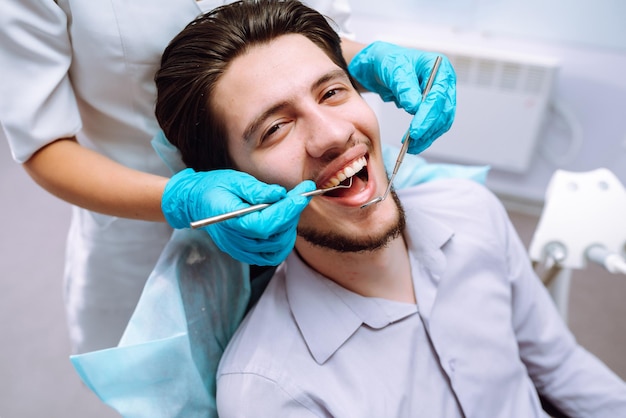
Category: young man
[422,305]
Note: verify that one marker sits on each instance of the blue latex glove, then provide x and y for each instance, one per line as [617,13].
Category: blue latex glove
[262,238]
[399,74]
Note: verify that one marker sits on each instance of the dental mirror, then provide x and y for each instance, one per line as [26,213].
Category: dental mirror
[229,215]
[407,139]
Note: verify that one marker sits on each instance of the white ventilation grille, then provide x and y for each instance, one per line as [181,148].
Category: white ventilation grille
[537,79]
[501,101]
[509,76]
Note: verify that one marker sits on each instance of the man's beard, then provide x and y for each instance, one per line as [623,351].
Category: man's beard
[344,244]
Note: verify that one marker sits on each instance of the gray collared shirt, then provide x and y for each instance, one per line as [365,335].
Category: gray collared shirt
[483,339]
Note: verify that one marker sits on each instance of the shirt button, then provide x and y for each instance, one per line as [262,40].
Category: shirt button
[451,365]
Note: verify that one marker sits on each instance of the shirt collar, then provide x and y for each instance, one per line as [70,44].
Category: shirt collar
[328,314]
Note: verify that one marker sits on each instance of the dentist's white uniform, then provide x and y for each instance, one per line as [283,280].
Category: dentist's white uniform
[85,69]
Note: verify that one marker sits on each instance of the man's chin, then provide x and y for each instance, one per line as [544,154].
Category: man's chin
[342,244]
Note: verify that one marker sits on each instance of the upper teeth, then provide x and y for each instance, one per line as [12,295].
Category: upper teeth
[346,172]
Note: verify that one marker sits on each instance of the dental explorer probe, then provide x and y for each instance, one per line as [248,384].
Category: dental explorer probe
[407,138]
[254,208]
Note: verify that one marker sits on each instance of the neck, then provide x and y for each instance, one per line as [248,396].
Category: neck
[384,273]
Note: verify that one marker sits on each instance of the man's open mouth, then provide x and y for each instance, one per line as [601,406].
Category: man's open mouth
[357,170]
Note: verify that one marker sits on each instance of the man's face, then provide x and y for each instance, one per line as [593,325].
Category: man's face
[291,114]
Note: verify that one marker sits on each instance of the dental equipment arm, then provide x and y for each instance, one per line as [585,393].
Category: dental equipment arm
[612,262]
[582,220]
[584,217]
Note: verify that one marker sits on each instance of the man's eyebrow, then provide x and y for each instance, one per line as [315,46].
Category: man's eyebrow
[258,121]
[331,75]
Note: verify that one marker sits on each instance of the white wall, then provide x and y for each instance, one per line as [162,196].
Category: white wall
[588,38]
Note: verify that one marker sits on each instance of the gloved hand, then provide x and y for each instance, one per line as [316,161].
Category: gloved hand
[262,238]
[400,74]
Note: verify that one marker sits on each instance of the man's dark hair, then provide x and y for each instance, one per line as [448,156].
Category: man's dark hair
[197,57]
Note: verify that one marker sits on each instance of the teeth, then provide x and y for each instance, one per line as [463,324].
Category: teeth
[346,172]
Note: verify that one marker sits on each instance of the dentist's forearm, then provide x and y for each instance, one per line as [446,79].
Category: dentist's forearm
[350,48]
[83,177]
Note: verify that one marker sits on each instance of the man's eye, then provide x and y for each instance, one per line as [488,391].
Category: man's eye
[330,93]
[271,131]
[335,95]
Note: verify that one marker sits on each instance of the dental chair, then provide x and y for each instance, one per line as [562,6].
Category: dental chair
[583,220]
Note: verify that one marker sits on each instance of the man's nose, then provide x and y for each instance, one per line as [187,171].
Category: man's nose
[329,131]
